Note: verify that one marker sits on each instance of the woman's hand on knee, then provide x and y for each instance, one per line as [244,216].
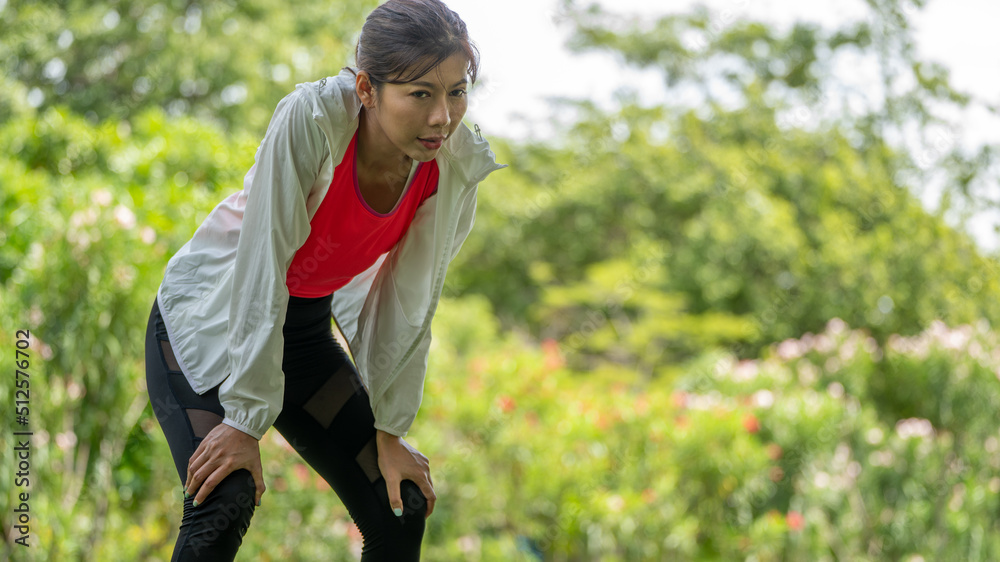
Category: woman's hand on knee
[398,461]
[223,451]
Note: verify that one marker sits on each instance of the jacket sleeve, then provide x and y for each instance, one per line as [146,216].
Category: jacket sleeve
[466,220]
[275,225]
[396,406]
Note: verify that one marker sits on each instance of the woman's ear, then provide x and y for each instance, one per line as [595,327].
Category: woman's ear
[364,88]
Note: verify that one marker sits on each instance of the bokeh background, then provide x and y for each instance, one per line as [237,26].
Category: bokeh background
[710,313]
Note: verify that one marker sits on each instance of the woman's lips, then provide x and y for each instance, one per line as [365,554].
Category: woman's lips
[432,143]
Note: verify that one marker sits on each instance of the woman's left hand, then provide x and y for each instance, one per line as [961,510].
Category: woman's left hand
[399,461]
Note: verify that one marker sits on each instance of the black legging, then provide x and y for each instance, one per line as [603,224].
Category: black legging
[325,416]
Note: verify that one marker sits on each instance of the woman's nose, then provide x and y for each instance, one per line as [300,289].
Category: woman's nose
[440,114]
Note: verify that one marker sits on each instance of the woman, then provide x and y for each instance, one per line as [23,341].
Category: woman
[362,191]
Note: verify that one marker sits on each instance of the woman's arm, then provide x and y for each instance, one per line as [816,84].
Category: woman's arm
[275,224]
[395,402]
[396,407]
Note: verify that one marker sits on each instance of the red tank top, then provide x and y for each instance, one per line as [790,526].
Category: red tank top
[347,236]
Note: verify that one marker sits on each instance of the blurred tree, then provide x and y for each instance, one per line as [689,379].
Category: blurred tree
[756,217]
[230,61]
[809,77]
[91,216]
[643,237]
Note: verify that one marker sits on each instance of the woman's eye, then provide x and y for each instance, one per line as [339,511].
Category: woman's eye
[422,94]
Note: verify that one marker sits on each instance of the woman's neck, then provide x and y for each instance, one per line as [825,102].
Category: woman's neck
[377,159]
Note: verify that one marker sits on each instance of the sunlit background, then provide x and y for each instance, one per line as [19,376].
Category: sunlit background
[720,307]
[526,62]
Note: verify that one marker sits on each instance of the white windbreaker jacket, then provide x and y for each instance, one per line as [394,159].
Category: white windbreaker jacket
[223,297]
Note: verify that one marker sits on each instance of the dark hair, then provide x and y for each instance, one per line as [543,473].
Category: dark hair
[411,34]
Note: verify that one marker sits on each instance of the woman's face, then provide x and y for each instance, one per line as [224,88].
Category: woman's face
[416,117]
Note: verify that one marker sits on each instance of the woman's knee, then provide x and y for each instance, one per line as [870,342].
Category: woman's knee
[387,537]
[414,502]
[408,530]
[223,519]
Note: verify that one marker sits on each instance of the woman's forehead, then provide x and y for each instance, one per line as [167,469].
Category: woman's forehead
[450,72]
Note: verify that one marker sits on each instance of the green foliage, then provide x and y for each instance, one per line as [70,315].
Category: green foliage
[636,359]
[227,61]
[816,451]
[68,184]
[91,217]
[727,231]
[731,63]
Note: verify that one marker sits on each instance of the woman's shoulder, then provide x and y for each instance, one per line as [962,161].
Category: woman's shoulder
[330,103]
[333,97]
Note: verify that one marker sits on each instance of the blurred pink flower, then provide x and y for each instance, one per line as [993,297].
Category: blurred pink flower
[763,398]
[125,217]
[469,544]
[553,358]
[65,440]
[507,404]
[101,197]
[354,535]
[321,485]
[795,521]
[301,473]
[791,349]
[836,326]
[745,370]
[824,344]
[914,427]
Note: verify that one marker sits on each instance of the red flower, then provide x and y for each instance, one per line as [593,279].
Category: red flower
[301,473]
[553,359]
[507,404]
[795,520]
[751,424]
[550,345]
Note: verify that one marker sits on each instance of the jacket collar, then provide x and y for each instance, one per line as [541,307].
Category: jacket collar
[336,107]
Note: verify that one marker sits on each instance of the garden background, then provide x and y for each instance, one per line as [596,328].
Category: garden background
[718,329]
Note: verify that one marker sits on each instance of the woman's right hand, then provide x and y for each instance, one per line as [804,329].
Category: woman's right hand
[398,461]
[224,450]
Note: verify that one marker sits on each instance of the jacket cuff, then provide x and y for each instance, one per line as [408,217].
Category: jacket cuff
[397,431]
[255,434]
